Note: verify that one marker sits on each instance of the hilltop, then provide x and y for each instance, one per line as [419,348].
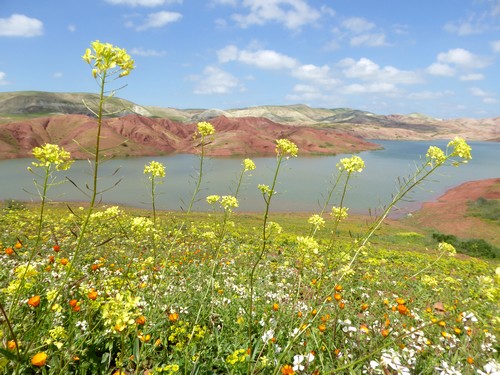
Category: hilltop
[31,118]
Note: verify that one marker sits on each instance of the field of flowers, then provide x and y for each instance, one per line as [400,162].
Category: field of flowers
[95,289]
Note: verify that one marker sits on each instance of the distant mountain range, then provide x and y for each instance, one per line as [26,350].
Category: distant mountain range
[27,116]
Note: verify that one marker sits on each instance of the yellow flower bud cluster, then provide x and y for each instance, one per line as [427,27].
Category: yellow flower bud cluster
[317,221]
[285,147]
[106,58]
[307,244]
[228,202]
[460,148]
[120,311]
[248,165]
[339,213]
[239,355]
[351,165]
[154,169]
[205,128]
[435,156]
[447,248]
[49,154]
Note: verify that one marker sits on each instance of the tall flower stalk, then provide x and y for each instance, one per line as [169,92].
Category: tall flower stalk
[204,130]
[284,150]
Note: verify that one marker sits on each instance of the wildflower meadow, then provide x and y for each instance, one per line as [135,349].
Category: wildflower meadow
[93,289]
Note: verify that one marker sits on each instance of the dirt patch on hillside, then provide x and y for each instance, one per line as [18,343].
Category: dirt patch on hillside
[448,214]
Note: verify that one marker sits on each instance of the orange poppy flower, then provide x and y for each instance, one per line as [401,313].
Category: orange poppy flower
[56,248]
[34,301]
[92,295]
[141,320]
[9,251]
[287,370]
[39,359]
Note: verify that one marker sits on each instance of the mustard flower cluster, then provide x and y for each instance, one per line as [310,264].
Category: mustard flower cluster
[228,202]
[154,169]
[239,355]
[308,244]
[212,199]
[57,336]
[49,154]
[339,213]
[248,165]
[435,156]
[120,311]
[273,228]
[316,221]
[24,270]
[168,369]
[285,147]
[447,248]
[265,189]
[460,148]
[106,57]
[205,128]
[351,165]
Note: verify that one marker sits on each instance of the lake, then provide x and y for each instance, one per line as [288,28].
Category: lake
[303,181]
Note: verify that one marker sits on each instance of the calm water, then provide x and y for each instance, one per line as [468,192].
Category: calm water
[303,181]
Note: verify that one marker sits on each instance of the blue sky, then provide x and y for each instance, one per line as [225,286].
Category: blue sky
[438,57]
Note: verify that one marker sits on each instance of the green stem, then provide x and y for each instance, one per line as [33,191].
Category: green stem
[200,175]
[259,258]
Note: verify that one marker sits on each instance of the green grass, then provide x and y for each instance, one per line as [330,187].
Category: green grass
[400,299]
[486,209]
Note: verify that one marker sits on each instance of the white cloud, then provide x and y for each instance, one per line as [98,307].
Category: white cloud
[263,58]
[370,40]
[319,75]
[490,100]
[429,95]
[439,69]
[464,28]
[292,13]
[215,81]
[376,87]
[2,78]
[476,91]
[57,75]
[159,19]
[358,25]
[462,58]
[143,3]
[366,70]
[495,45]
[20,25]
[472,77]
[72,28]
[146,52]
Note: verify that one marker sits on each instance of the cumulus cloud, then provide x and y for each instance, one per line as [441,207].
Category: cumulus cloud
[462,58]
[215,81]
[146,52]
[293,14]
[143,3]
[439,69]
[429,95]
[495,45]
[263,58]
[376,87]
[476,91]
[366,70]
[319,75]
[472,77]
[20,25]
[159,19]
[369,40]
[3,81]
[358,24]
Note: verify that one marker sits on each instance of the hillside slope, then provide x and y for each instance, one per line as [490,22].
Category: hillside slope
[135,135]
[29,104]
